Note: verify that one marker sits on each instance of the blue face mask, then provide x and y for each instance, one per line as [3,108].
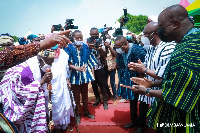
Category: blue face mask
[129,37]
[54,47]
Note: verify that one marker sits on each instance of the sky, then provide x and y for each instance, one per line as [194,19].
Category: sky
[19,16]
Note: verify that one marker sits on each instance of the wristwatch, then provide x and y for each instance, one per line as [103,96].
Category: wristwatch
[147,92]
[145,71]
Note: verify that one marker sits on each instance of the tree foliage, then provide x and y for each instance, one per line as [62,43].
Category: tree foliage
[15,38]
[135,24]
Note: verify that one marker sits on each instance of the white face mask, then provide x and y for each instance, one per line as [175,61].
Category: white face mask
[78,43]
[145,40]
[120,51]
[108,41]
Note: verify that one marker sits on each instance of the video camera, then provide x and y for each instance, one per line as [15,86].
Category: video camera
[57,27]
[103,32]
[125,19]
[69,24]
[96,42]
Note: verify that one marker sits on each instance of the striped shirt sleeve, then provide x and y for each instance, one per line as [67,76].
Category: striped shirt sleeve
[92,62]
[147,55]
[164,57]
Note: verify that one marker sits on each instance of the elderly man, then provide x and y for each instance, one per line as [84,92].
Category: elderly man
[128,52]
[13,55]
[155,63]
[176,108]
[24,92]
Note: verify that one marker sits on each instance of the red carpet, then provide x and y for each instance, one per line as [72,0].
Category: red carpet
[107,121]
[115,115]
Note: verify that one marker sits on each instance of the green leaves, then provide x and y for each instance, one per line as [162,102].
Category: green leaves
[136,24]
[15,38]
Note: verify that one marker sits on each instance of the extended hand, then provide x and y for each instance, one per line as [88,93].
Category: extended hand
[91,45]
[139,67]
[106,44]
[68,84]
[142,81]
[136,89]
[55,39]
[100,49]
[46,78]
[82,68]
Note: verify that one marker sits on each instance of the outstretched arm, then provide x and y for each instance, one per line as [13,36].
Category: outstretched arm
[143,90]
[13,55]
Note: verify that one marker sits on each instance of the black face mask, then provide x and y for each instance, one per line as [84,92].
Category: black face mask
[94,37]
[163,37]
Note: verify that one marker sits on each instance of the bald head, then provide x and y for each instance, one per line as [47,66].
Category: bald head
[173,23]
[151,27]
[174,12]
[121,39]
[151,32]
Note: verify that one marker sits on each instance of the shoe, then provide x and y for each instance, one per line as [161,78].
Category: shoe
[105,105]
[140,130]
[70,128]
[122,100]
[97,102]
[87,114]
[78,119]
[130,125]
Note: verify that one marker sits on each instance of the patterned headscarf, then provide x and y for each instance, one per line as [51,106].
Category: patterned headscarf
[5,40]
[31,36]
[23,41]
[54,52]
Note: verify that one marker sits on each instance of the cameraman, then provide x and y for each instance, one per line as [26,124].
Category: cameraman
[95,45]
[131,38]
[111,65]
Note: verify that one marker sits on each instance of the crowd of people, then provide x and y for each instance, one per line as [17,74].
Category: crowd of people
[43,77]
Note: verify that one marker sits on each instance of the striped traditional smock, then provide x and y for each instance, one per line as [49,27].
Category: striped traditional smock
[156,59]
[135,53]
[80,58]
[180,110]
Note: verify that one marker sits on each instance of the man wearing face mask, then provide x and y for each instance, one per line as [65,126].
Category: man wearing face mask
[126,53]
[131,37]
[81,61]
[176,107]
[145,42]
[111,65]
[156,60]
[98,49]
